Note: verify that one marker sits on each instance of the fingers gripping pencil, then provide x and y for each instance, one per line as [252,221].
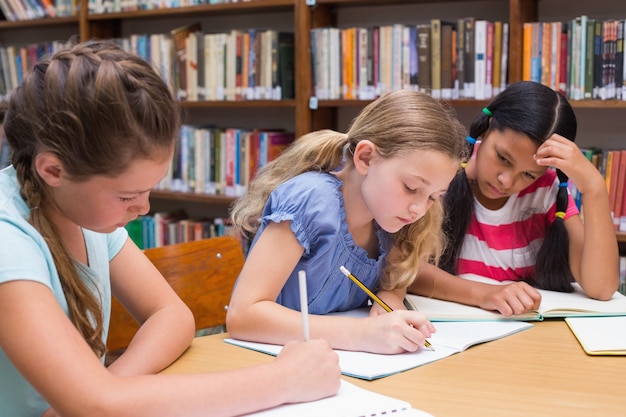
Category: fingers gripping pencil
[373,296]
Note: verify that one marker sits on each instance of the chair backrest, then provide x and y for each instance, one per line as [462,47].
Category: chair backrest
[201,272]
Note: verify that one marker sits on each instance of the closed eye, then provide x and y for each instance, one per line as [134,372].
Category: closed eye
[127,199]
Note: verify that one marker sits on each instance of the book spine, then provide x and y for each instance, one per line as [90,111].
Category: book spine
[435,56]
[480,49]
[423,58]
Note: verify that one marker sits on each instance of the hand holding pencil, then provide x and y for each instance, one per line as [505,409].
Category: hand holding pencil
[374,297]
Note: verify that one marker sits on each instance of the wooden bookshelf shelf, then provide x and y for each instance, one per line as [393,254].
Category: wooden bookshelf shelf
[238,104]
[385,3]
[621,236]
[598,104]
[35,23]
[363,103]
[220,200]
[226,8]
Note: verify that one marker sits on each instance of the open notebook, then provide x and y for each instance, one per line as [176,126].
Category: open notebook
[600,335]
[350,401]
[553,305]
[450,338]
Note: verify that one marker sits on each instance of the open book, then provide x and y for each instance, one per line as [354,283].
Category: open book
[553,305]
[600,335]
[350,401]
[450,338]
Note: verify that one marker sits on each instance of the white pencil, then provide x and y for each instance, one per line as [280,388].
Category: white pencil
[304,304]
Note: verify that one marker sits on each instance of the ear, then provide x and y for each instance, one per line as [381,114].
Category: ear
[49,168]
[365,153]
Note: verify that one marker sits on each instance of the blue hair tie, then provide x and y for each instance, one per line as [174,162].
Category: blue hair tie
[471,140]
[563,184]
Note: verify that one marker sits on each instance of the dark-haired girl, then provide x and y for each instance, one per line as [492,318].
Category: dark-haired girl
[510,216]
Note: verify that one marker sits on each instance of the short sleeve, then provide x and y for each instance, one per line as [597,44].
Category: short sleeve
[116,241]
[312,203]
[23,253]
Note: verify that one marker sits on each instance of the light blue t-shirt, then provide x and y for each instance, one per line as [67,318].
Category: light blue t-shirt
[24,255]
[313,203]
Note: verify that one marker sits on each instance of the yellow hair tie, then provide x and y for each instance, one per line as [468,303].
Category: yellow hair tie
[463,165]
[560,214]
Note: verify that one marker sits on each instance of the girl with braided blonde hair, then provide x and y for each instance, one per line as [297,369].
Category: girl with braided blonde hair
[509,216]
[92,130]
[368,200]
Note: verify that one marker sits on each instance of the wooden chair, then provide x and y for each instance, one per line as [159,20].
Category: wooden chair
[201,272]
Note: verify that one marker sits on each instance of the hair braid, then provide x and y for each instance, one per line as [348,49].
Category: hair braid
[97,108]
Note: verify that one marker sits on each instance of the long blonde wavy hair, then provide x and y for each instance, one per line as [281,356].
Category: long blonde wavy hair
[397,122]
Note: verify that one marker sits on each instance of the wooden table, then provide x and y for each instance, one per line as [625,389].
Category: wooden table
[541,371]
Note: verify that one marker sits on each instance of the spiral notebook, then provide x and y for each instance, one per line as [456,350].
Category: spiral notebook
[350,401]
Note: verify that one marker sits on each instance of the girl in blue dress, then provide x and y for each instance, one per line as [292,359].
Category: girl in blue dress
[368,200]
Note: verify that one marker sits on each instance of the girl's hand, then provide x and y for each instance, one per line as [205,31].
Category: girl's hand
[393,299]
[318,368]
[563,154]
[510,299]
[396,332]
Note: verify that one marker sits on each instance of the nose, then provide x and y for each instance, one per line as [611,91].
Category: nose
[143,205]
[418,208]
[505,179]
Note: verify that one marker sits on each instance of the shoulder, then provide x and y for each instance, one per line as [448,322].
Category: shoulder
[24,254]
[312,202]
[311,183]
[311,189]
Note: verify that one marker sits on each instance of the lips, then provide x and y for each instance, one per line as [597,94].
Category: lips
[496,191]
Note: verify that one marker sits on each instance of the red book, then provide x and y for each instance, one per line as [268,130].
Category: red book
[563,64]
[619,193]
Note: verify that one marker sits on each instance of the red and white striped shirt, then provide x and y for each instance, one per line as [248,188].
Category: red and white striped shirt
[502,244]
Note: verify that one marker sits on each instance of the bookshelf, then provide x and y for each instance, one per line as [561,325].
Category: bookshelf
[601,122]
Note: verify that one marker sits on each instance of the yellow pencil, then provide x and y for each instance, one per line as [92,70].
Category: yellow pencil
[372,295]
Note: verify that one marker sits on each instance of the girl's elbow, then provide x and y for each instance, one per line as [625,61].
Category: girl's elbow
[603,292]
[189,322]
[234,322]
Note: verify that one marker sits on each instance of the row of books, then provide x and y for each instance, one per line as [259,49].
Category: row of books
[237,65]
[114,6]
[221,161]
[467,58]
[16,61]
[14,10]
[582,58]
[167,228]
[612,165]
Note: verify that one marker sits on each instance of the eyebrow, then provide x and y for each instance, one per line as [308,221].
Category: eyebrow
[510,158]
[136,191]
[422,179]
